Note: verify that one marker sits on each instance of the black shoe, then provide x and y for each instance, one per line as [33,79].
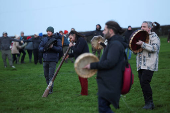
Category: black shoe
[149,105]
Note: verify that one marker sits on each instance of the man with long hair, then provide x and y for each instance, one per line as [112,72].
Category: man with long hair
[110,68]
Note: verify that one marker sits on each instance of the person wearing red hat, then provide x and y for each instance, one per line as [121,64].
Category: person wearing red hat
[29,49]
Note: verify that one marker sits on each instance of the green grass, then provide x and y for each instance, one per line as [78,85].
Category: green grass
[21,89]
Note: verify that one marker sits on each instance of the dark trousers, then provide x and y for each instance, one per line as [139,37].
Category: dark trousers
[84,85]
[23,55]
[15,57]
[29,54]
[104,105]
[37,56]
[49,68]
[145,77]
[98,52]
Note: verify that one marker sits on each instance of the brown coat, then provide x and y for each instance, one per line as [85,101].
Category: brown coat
[15,48]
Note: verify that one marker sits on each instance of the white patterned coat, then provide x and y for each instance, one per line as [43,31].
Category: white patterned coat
[148,58]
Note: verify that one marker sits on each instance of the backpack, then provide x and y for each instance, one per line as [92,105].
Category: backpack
[128,77]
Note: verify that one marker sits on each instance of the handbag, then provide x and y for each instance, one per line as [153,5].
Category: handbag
[29,46]
[128,77]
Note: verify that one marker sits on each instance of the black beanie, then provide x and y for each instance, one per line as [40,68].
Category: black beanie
[50,29]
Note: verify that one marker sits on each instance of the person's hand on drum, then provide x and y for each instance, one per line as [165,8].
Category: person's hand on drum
[87,66]
[139,42]
[51,46]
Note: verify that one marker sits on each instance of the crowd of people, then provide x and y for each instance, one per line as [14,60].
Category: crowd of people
[110,73]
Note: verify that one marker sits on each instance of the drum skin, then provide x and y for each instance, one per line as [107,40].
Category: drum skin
[51,41]
[82,61]
[135,37]
[95,42]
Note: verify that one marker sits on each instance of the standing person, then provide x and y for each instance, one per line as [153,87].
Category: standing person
[95,33]
[15,50]
[147,63]
[29,48]
[5,43]
[36,41]
[156,27]
[79,48]
[110,68]
[65,43]
[40,53]
[67,37]
[127,35]
[22,50]
[51,56]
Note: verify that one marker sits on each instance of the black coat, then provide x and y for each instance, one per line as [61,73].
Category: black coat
[127,35]
[80,47]
[110,70]
[53,54]
[94,33]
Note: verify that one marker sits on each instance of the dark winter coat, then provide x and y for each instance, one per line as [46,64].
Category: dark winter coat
[94,33]
[80,47]
[127,35]
[110,70]
[36,42]
[5,42]
[51,55]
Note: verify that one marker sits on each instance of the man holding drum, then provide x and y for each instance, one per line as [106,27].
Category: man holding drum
[110,68]
[50,55]
[147,63]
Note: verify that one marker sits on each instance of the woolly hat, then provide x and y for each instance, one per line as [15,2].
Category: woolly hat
[40,34]
[36,34]
[65,31]
[28,37]
[51,29]
[4,32]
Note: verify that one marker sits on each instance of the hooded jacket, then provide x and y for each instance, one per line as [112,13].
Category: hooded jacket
[110,70]
[95,33]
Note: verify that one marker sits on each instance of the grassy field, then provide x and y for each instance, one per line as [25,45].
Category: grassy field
[21,89]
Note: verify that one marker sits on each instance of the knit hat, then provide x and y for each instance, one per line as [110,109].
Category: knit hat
[28,37]
[36,34]
[65,31]
[51,29]
[40,34]
[4,32]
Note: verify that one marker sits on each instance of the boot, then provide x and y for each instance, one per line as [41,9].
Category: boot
[30,60]
[149,105]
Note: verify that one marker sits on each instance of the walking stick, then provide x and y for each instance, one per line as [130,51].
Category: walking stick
[51,82]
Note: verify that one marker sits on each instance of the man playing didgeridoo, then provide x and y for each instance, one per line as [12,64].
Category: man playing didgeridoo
[79,48]
[110,68]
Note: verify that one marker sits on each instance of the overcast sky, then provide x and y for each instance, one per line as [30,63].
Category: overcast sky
[34,16]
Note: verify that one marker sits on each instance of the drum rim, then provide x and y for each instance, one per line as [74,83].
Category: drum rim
[78,59]
[130,42]
[99,45]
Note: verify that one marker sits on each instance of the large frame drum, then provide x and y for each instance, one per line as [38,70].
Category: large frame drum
[82,61]
[135,37]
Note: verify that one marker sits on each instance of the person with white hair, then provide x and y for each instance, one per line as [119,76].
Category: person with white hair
[147,63]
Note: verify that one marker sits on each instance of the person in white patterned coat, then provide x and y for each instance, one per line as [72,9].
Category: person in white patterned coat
[147,63]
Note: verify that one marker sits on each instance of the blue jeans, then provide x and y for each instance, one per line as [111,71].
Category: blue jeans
[130,52]
[104,105]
